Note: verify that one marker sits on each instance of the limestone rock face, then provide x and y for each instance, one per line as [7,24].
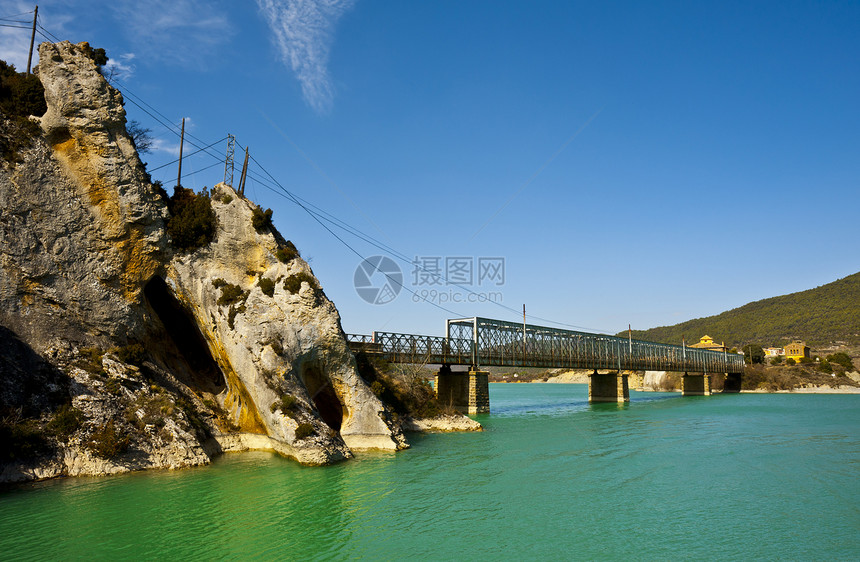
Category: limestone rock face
[87,273]
[81,229]
[288,342]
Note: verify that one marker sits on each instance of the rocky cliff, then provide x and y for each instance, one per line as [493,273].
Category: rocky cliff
[120,351]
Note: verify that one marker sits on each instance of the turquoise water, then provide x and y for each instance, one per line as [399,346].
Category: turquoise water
[721,477]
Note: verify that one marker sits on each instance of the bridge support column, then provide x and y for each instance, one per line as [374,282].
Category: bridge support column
[609,387]
[733,383]
[695,385]
[466,392]
[479,392]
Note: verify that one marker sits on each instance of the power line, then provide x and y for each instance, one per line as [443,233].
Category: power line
[201,169]
[328,217]
[187,155]
[16,15]
[38,19]
[321,216]
[344,242]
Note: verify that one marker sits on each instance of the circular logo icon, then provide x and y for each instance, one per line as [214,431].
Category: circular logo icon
[378,280]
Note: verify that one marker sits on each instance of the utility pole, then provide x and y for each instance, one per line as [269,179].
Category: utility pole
[228,162]
[181,143]
[32,39]
[244,173]
[524,335]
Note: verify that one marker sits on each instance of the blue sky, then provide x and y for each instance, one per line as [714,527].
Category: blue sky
[641,163]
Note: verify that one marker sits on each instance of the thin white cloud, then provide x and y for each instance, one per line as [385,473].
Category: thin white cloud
[179,31]
[120,67]
[168,143]
[165,147]
[304,31]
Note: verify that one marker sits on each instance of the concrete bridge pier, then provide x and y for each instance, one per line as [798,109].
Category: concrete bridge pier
[695,385]
[608,387]
[733,383]
[467,392]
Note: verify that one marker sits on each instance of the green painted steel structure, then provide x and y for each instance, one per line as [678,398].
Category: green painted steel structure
[487,342]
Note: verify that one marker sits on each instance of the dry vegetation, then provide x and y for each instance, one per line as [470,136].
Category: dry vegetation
[404,387]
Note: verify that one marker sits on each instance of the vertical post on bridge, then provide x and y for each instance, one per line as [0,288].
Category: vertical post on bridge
[630,344]
[524,335]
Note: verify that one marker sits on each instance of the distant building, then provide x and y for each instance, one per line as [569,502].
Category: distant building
[707,342]
[797,351]
[773,351]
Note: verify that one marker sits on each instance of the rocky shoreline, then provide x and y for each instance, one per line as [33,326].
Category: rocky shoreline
[441,424]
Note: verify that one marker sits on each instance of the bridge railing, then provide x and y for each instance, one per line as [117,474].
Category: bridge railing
[413,348]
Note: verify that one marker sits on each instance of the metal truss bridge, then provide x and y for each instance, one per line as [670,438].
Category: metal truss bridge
[481,342]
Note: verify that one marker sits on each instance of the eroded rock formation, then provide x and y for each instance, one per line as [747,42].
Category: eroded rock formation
[117,351]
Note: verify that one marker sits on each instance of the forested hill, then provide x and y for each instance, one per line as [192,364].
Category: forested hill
[829,313]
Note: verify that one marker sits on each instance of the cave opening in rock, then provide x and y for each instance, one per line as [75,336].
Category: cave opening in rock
[183,333]
[323,395]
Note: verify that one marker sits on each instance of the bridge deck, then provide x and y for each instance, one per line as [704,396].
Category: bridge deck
[486,342]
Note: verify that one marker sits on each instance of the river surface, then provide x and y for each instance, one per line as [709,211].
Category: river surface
[723,477]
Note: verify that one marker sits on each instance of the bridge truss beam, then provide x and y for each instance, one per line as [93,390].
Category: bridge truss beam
[485,342]
[503,343]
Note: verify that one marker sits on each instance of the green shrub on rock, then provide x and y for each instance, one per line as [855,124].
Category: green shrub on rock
[287,253]
[288,405]
[21,439]
[66,421]
[99,56]
[231,294]
[21,95]
[192,220]
[304,430]
[262,220]
[267,286]
[107,443]
[90,360]
[293,283]
[231,315]
[133,354]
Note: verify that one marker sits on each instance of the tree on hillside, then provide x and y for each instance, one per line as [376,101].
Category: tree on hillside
[842,359]
[753,354]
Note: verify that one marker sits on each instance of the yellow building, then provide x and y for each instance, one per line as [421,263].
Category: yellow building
[797,351]
[707,342]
